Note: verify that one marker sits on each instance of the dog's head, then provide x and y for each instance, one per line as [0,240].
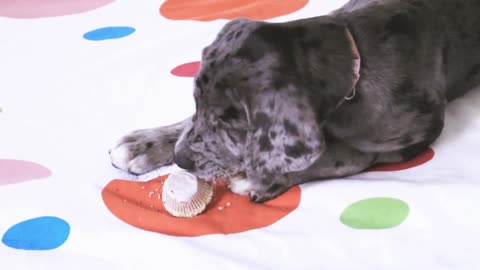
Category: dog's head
[261,95]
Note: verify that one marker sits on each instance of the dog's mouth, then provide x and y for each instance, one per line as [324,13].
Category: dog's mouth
[235,177]
[210,171]
[238,176]
[227,179]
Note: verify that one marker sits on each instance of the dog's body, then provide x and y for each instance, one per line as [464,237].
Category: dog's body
[271,97]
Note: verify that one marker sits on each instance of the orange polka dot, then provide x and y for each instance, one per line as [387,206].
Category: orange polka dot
[207,10]
[417,161]
[139,204]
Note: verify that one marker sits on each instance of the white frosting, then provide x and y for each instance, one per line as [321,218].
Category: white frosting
[181,186]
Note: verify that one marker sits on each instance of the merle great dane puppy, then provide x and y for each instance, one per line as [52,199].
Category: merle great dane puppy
[282,104]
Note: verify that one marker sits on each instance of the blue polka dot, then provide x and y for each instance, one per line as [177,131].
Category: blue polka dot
[41,233]
[109,33]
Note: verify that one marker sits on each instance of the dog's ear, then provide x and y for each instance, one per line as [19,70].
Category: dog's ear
[300,73]
[283,135]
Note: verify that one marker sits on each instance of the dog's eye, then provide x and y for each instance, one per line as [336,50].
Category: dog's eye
[231,113]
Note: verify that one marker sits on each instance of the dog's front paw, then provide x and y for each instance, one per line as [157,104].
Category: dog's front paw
[144,150]
[240,185]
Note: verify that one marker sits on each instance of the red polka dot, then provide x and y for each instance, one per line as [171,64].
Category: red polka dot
[187,69]
[207,10]
[417,161]
[140,205]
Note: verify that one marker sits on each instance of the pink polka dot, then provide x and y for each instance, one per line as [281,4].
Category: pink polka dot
[14,171]
[187,69]
[417,161]
[28,9]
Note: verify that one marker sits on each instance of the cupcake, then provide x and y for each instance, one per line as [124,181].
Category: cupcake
[184,195]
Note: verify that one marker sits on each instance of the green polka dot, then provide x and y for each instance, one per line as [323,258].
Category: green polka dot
[375,213]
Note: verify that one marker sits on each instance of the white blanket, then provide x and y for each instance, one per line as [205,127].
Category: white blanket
[65,100]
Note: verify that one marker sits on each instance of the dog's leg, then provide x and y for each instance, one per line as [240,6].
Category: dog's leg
[406,154]
[144,150]
[338,160]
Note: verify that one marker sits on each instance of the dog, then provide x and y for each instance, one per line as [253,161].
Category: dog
[281,104]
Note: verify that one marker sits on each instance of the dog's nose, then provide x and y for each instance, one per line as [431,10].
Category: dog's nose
[183,161]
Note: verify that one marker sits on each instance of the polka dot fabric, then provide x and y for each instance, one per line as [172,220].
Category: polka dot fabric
[26,9]
[42,233]
[111,32]
[186,70]
[99,68]
[14,171]
[229,9]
